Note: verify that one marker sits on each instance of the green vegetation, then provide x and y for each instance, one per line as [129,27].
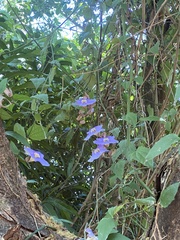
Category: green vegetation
[125,55]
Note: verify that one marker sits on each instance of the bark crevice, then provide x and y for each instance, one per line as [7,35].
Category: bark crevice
[19,217]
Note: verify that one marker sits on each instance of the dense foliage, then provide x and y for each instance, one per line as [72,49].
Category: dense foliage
[124,54]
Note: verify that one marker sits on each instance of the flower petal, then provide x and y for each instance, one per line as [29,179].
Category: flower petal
[105,140]
[96,153]
[90,232]
[94,131]
[36,155]
[84,101]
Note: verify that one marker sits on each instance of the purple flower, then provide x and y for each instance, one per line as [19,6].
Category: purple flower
[105,140]
[84,101]
[36,156]
[96,153]
[94,131]
[90,234]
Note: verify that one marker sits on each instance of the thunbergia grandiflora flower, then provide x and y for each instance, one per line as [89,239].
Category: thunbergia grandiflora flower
[94,131]
[90,234]
[84,101]
[36,156]
[87,107]
[101,142]
[96,153]
[105,140]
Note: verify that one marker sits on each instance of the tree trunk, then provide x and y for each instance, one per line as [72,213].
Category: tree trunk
[166,224]
[21,216]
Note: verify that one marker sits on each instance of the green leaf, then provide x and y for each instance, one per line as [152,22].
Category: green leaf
[139,80]
[70,168]
[131,118]
[140,156]
[146,201]
[37,81]
[150,110]
[168,195]
[14,149]
[83,35]
[87,12]
[117,236]
[43,97]
[118,169]
[89,80]
[51,74]
[18,137]
[5,26]
[115,131]
[21,97]
[113,210]
[61,117]
[44,107]
[125,148]
[4,115]
[119,150]
[37,117]
[3,84]
[177,94]
[53,205]
[150,118]
[23,36]
[19,129]
[69,136]
[2,44]
[155,49]
[105,227]
[162,145]
[78,79]
[36,132]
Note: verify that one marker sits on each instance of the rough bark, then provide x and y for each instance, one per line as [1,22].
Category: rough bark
[166,223]
[21,216]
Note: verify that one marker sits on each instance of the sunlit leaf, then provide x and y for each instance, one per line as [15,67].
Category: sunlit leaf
[118,169]
[18,128]
[168,194]
[21,97]
[113,210]
[4,115]
[139,80]
[162,145]
[105,227]
[3,84]
[37,81]
[177,94]
[36,132]
[146,201]
[115,131]
[131,118]
[51,74]
[150,118]
[43,97]
[44,107]
[155,49]
[140,156]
